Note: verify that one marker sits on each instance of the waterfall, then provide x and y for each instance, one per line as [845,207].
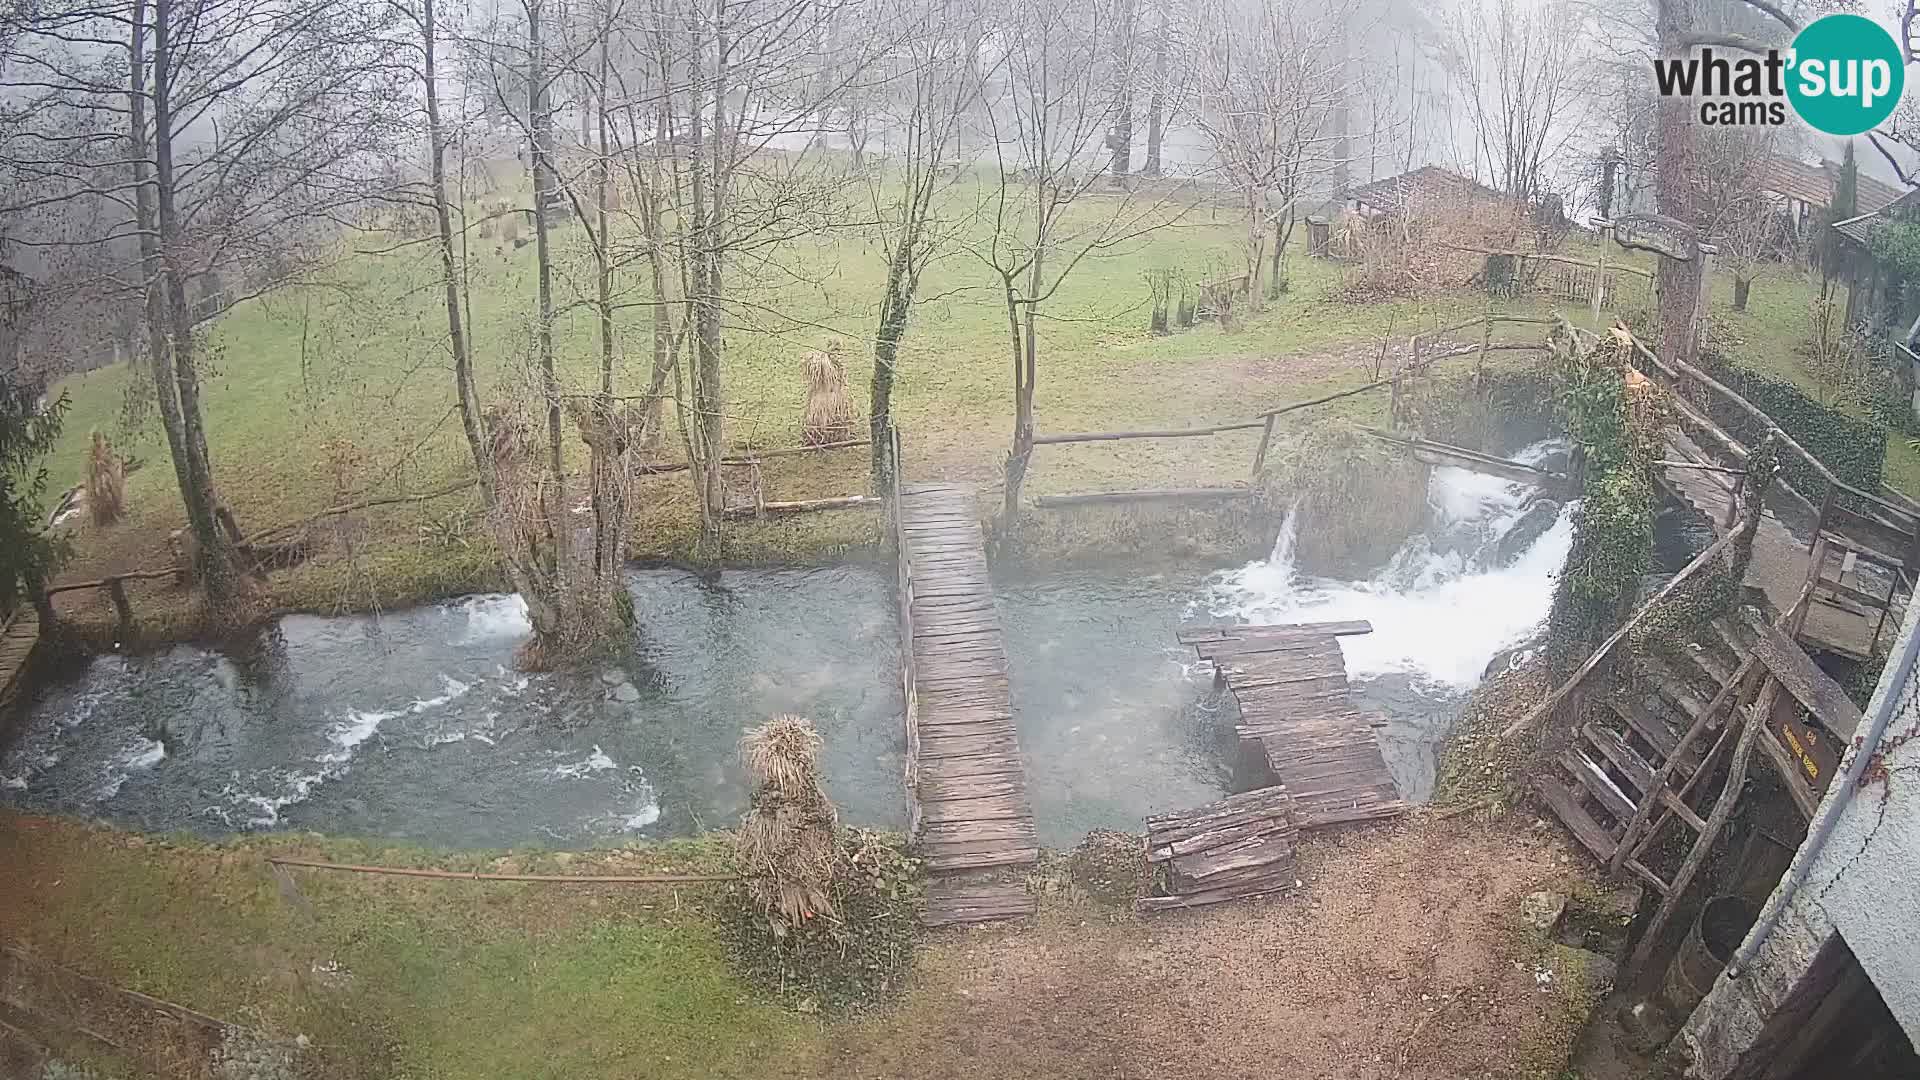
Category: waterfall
[1476,580]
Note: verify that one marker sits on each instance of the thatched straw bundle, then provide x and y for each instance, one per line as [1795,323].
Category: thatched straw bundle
[829,415]
[106,482]
[788,839]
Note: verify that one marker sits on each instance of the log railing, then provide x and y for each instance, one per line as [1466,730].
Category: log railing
[1424,350]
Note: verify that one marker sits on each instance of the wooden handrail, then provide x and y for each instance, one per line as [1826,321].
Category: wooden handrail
[1676,368]
[1534,714]
[1112,436]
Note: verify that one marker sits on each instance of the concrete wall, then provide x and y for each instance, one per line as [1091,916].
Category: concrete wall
[1865,884]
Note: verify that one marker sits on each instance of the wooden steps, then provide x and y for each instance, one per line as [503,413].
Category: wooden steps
[969,814]
[1239,847]
[1610,774]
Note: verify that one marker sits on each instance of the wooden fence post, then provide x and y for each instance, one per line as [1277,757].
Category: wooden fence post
[117,592]
[1266,440]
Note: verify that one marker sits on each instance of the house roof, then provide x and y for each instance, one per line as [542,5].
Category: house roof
[1861,227]
[1813,184]
[1393,192]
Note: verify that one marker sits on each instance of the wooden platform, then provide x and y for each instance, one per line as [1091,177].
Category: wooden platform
[969,819]
[1779,565]
[1298,720]
[1234,849]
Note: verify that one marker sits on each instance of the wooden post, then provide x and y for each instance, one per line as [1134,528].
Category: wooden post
[1266,440]
[117,592]
[1756,719]
[1826,506]
[1600,274]
[1480,364]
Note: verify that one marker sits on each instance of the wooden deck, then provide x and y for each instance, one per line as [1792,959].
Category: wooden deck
[969,819]
[1780,560]
[1298,721]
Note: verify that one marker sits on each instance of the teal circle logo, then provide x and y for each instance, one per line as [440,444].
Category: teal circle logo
[1847,74]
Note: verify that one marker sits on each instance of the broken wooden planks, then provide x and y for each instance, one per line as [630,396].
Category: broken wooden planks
[1297,716]
[1239,847]
[969,812]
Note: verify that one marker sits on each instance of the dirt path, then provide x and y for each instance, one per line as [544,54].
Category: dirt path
[1402,957]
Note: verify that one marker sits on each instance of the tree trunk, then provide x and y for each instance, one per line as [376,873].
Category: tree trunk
[463,386]
[1120,137]
[1282,232]
[1678,282]
[540,128]
[159,354]
[1025,343]
[213,551]
[1741,287]
[894,308]
[1157,99]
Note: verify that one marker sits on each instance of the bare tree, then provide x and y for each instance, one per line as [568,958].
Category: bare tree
[1048,120]
[1269,87]
[1520,74]
[230,137]
[940,83]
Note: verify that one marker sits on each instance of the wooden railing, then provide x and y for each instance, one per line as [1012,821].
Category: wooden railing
[1882,527]
[1424,350]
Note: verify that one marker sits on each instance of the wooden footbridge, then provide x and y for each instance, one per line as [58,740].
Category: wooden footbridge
[1313,757]
[968,818]
[18,638]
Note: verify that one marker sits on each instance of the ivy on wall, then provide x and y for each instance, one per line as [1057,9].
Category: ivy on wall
[1614,419]
[1855,449]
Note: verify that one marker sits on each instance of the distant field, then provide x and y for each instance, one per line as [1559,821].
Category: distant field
[344,386]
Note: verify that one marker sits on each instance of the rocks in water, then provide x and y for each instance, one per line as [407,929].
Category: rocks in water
[1532,526]
[625,692]
[613,677]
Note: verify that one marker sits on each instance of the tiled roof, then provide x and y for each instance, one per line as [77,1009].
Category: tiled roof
[1813,184]
[1393,192]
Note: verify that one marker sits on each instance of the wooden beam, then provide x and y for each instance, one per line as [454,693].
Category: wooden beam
[1534,715]
[1113,436]
[801,506]
[1142,495]
[1310,402]
[1471,459]
[1810,686]
[1717,820]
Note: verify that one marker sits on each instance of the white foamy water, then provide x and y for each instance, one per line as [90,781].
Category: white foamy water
[343,739]
[1445,604]
[494,616]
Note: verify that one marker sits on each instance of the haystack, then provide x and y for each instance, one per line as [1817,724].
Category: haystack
[106,482]
[787,841]
[829,415]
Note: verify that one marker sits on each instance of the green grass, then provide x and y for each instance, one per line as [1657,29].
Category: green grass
[343,386]
[401,977]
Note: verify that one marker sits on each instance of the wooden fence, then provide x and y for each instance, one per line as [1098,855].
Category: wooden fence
[1424,350]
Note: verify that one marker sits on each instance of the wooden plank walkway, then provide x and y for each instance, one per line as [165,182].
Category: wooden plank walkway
[17,641]
[1296,715]
[1779,565]
[969,818]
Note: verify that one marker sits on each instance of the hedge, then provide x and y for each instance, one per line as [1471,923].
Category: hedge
[1856,450]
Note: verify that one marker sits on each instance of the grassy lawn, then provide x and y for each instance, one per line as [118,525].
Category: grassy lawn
[342,387]
[459,980]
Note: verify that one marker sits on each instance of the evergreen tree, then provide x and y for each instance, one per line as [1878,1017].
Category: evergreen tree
[27,551]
